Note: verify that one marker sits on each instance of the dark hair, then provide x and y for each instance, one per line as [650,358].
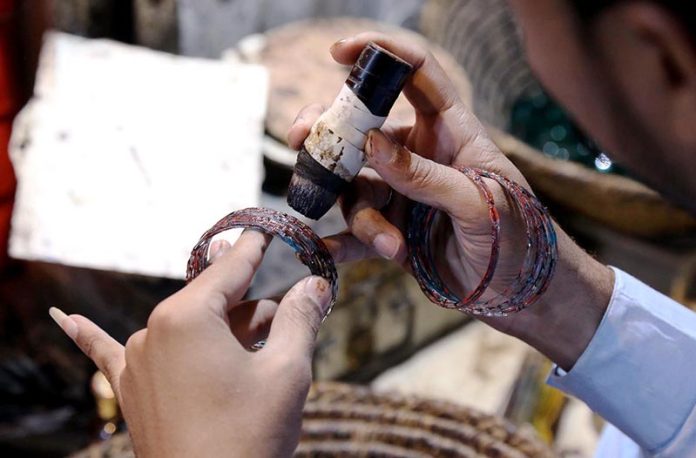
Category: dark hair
[684,10]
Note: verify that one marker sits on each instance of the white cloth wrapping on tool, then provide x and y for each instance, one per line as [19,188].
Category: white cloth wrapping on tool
[337,139]
[126,156]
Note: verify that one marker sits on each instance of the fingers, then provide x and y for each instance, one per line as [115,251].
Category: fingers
[398,132]
[421,179]
[371,227]
[217,249]
[346,247]
[226,281]
[429,90]
[302,124]
[251,321]
[367,189]
[299,315]
[361,209]
[106,353]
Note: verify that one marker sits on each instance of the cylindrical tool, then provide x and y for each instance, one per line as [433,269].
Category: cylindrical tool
[332,155]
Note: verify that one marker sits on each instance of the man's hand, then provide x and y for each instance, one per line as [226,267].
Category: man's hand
[188,385]
[414,161]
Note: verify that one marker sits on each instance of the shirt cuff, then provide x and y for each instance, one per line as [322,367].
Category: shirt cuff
[638,370]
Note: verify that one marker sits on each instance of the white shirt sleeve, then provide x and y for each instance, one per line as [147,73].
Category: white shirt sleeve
[639,369]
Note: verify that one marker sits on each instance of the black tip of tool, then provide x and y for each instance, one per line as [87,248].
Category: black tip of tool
[309,199]
[313,189]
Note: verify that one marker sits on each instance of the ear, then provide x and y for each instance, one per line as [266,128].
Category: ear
[673,52]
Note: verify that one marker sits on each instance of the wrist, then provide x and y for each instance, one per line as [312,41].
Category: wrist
[564,320]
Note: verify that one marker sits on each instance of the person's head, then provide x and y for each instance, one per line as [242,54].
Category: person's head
[626,70]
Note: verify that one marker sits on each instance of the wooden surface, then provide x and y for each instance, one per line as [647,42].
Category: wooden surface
[208,27]
[615,201]
[303,72]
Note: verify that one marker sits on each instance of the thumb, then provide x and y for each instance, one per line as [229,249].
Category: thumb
[300,313]
[418,178]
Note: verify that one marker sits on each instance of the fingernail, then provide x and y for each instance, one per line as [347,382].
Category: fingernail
[259,236]
[218,248]
[319,291]
[386,245]
[66,323]
[379,148]
[338,43]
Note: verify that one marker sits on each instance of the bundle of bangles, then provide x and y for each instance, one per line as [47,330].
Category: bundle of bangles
[530,283]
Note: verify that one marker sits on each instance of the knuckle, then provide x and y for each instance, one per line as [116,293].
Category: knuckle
[397,159]
[424,173]
[112,372]
[166,316]
[367,224]
[89,346]
[308,114]
[317,108]
[159,316]
[245,264]
[305,316]
[136,341]
[135,346]
[174,315]
[107,361]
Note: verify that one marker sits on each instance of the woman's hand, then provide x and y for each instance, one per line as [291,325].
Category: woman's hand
[414,161]
[188,385]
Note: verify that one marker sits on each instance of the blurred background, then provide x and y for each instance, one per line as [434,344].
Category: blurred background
[128,127]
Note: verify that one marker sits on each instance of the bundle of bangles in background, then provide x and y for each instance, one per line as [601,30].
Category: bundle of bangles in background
[532,280]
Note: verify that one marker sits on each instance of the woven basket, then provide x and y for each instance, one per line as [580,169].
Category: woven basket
[351,421]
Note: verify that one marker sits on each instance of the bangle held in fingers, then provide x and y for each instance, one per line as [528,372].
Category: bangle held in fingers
[308,247]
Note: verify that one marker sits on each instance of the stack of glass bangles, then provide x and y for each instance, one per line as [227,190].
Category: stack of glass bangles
[537,267]
[532,280]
